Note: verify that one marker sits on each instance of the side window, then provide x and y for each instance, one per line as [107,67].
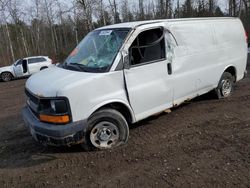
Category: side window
[19,62]
[32,60]
[42,59]
[36,60]
[149,46]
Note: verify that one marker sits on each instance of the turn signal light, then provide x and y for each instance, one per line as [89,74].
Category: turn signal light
[54,119]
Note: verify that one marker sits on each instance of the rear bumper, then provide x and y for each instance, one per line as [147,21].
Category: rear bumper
[56,135]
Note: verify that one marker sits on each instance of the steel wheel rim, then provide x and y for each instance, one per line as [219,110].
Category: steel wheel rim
[6,76]
[104,135]
[226,87]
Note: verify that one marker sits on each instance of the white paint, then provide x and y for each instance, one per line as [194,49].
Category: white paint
[206,47]
[17,70]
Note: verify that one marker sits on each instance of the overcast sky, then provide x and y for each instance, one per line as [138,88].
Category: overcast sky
[132,3]
[221,3]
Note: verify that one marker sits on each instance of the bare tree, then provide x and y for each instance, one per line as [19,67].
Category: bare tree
[103,13]
[15,13]
[126,12]
[53,27]
[211,5]
[87,6]
[141,10]
[114,10]
[3,5]
[48,9]
[187,8]
[232,7]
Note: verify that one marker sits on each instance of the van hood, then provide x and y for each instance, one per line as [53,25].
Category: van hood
[53,81]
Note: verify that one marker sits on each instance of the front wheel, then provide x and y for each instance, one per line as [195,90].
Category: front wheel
[225,86]
[107,128]
[6,76]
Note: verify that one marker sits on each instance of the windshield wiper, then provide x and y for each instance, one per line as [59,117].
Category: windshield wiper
[76,66]
[83,68]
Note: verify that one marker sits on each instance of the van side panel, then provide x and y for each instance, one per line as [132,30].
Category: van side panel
[203,53]
[196,70]
[231,42]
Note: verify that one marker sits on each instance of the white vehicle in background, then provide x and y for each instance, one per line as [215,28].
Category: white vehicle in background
[25,67]
[121,74]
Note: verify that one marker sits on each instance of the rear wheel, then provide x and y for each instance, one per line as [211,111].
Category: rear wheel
[107,129]
[225,86]
[6,76]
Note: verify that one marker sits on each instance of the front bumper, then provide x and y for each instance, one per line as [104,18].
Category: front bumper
[56,135]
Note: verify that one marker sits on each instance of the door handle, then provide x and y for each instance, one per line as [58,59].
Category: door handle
[169,68]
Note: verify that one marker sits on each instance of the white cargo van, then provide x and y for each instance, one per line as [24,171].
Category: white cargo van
[121,74]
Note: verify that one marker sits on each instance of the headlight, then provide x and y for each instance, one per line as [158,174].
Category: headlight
[58,106]
[54,111]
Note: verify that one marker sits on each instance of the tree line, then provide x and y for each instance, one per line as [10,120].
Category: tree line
[55,27]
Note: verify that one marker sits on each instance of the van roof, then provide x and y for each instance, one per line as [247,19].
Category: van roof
[36,56]
[138,23]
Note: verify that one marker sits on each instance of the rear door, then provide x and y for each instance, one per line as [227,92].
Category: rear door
[34,65]
[148,79]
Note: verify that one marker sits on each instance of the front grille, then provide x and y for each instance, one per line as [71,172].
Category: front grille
[34,112]
[32,102]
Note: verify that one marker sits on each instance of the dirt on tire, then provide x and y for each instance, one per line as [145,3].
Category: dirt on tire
[202,143]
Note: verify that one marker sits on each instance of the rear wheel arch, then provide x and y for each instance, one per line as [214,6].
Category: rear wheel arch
[232,70]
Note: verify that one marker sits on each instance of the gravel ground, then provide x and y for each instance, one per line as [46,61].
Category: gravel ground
[202,143]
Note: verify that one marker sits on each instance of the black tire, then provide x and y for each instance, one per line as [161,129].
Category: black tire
[6,76]
[43,68]
[116,130]
[225,86]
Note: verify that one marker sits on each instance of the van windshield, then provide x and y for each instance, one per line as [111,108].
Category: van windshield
[97,51]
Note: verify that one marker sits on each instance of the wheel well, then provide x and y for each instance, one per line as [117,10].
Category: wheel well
[120,107]
[45,67]
[232,71]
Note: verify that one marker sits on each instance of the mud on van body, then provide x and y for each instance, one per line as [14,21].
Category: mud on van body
[123,73]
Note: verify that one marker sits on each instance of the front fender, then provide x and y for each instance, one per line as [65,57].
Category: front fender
[110,102]
[7,69]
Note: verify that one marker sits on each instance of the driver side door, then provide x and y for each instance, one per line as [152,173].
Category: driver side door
[148,79]
[18,68]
